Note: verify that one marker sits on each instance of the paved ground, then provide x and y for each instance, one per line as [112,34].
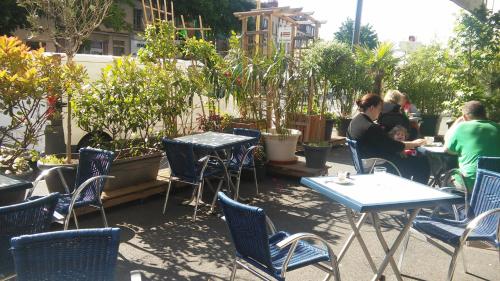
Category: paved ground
[171,247]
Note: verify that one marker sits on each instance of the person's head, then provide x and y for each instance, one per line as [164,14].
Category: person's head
[398,133]
[392,96]
[474,110]
[371,105]
[404,99]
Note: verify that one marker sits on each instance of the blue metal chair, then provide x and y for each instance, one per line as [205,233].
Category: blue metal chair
[276,254]
[481,224]
[87,254]
[366,166]
[23,218]
[93,169]
[489,163]
[184,168]
[242,157]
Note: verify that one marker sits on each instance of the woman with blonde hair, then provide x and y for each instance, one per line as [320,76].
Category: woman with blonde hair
[391,115]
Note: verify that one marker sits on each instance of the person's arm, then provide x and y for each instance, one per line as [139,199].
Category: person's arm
[451,143]
[451,130]
[414,143]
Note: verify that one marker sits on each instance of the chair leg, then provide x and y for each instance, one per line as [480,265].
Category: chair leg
[197,199]
[166,196]
[103,214]
[212,206]
[255,179]
[453,263]
[237,191]
[233,271]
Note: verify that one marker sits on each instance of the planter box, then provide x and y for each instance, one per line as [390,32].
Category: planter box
[248,124]
[312,127]
[134,170]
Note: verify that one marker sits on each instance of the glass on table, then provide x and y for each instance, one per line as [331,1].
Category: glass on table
[379,170]
[429,140]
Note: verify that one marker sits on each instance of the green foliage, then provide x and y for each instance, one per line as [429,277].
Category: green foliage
[476,48]
[116,17]
[27,79]
[427,78]
[53,159]
[12,17]
[381,64]
[218,15]
[367,36]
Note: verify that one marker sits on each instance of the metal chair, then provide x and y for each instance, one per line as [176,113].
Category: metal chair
[273,256]
[87,254]
[93,168]
[23,218]
[184,168]
[489,163]
[481,224]
[242,158]
[366,166]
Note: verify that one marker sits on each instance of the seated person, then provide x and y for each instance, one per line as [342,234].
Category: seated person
[410,110]
[373,141]
[399,133]
[391,112]
[471,136]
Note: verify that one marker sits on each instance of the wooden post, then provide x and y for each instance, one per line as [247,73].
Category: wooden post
[166,9]
[257,30]
[145,14]
[244,35]
[172,13]
[201,28]
[151,11]
[270,35]
[292,43]
[158,9]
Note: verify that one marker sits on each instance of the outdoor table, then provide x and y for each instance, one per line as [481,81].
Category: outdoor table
[374,193]
[439,161]
[12,189]
[215,142]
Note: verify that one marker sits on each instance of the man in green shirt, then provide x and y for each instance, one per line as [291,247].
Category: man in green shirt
[471,136]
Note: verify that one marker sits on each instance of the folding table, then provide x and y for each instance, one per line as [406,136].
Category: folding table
[374,193]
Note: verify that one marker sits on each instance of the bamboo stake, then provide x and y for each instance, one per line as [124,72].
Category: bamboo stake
[201,27]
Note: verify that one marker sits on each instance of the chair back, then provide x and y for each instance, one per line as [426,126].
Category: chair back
[247,226]
[489,163]
[239,151]
[25,218]
[356,158]
[92,162]
[180,156]
[485,197]
[86,254]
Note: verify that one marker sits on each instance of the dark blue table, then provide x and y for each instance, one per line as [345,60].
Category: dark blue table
[374,193]
[12,189]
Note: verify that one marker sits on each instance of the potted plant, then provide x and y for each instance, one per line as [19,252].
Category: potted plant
[427,80]
[280,142]
[316,154]
[330,121]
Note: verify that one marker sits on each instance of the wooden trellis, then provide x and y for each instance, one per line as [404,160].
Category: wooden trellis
[153,13]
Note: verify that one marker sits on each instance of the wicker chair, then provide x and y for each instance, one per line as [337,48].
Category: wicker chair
[276,254]
[24,218]
[481,223]
[93,168]
[242,158]
[87,254]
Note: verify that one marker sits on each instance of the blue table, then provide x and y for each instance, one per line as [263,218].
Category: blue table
[374,193]
[12,189]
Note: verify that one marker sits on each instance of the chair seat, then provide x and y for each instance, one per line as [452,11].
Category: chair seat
[450,231]
[63,202]
[305,254]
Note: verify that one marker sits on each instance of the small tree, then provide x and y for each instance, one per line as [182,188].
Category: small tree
[381,63]
[368,37]
[68,23]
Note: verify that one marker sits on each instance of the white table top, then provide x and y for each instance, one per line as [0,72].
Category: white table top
[375,192]
[432,149]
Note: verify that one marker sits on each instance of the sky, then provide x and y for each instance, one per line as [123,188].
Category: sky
[393,20]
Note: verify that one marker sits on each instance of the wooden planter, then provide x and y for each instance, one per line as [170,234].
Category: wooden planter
[311,126]
[134,170]
[248,124]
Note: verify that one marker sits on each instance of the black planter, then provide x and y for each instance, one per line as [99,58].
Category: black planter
[429,125]
[329,128]
[316,156]
[54,139]
[53,180]
[342,126]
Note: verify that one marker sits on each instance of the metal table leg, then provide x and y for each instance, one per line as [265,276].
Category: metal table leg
[390,252]
[376,225]
[355,233]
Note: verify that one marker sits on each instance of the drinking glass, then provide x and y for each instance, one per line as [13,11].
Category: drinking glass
[429,140]
[379,170]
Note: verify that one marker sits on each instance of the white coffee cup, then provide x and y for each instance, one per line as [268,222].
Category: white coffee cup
[429,140]
[342,176]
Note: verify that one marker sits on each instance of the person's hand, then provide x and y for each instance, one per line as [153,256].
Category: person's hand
[459,120]
[418,142]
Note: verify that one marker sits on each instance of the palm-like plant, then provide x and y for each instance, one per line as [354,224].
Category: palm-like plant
[381,63]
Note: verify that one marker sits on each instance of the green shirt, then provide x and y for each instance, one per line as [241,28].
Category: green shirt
[470,140]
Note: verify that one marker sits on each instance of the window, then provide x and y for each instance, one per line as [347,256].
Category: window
[118,48]
[138,19]
[93,47]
